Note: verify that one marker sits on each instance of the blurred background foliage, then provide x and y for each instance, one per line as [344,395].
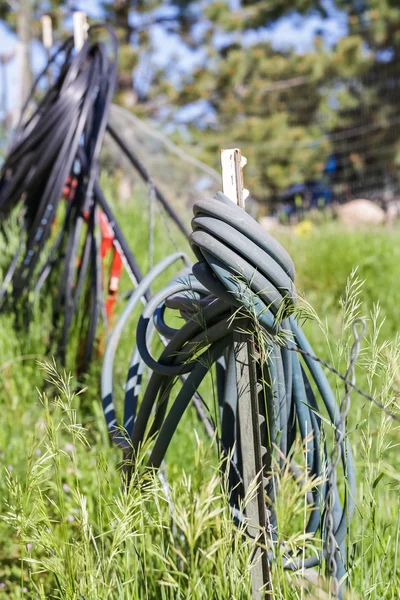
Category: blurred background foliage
[210,74]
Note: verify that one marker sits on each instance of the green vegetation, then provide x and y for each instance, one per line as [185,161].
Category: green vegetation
[291,110]
[68,530]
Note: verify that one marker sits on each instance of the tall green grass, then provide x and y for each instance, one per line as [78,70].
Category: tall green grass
[67,528]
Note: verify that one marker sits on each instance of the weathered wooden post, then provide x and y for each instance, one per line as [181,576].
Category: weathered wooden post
[232,163]
[47,39]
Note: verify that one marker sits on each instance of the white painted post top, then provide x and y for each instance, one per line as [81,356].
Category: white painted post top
[80,28]
[232,163]
[47,31]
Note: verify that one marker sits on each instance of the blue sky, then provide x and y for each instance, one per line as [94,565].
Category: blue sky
[294,31]
[8,41]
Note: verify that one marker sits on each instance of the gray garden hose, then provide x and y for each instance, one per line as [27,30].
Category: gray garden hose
[108,362]
[243,279]
[120,433]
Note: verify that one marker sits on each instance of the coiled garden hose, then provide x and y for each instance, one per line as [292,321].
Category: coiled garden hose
[61,141]
[243,280]
[55,156]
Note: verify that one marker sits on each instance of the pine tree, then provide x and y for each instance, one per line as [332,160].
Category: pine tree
[23,17]
[367,134]
[269,102]
[133,23]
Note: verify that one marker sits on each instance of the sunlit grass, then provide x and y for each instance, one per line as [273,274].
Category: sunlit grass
[67,528]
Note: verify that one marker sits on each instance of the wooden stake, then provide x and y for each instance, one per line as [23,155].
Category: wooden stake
[23,58]
[232,163]
[80,28]
[47,32]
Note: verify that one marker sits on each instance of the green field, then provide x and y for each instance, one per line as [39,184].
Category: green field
[68,531]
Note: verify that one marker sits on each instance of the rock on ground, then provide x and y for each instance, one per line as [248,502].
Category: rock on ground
[269,223]
[361,212]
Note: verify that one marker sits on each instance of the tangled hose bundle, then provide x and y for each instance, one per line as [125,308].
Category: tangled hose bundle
[243,280]
[55,157]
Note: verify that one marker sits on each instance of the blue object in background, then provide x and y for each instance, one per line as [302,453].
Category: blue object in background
[331,165]
[313,193]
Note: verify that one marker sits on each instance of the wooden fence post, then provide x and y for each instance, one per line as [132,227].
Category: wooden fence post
[232,163]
